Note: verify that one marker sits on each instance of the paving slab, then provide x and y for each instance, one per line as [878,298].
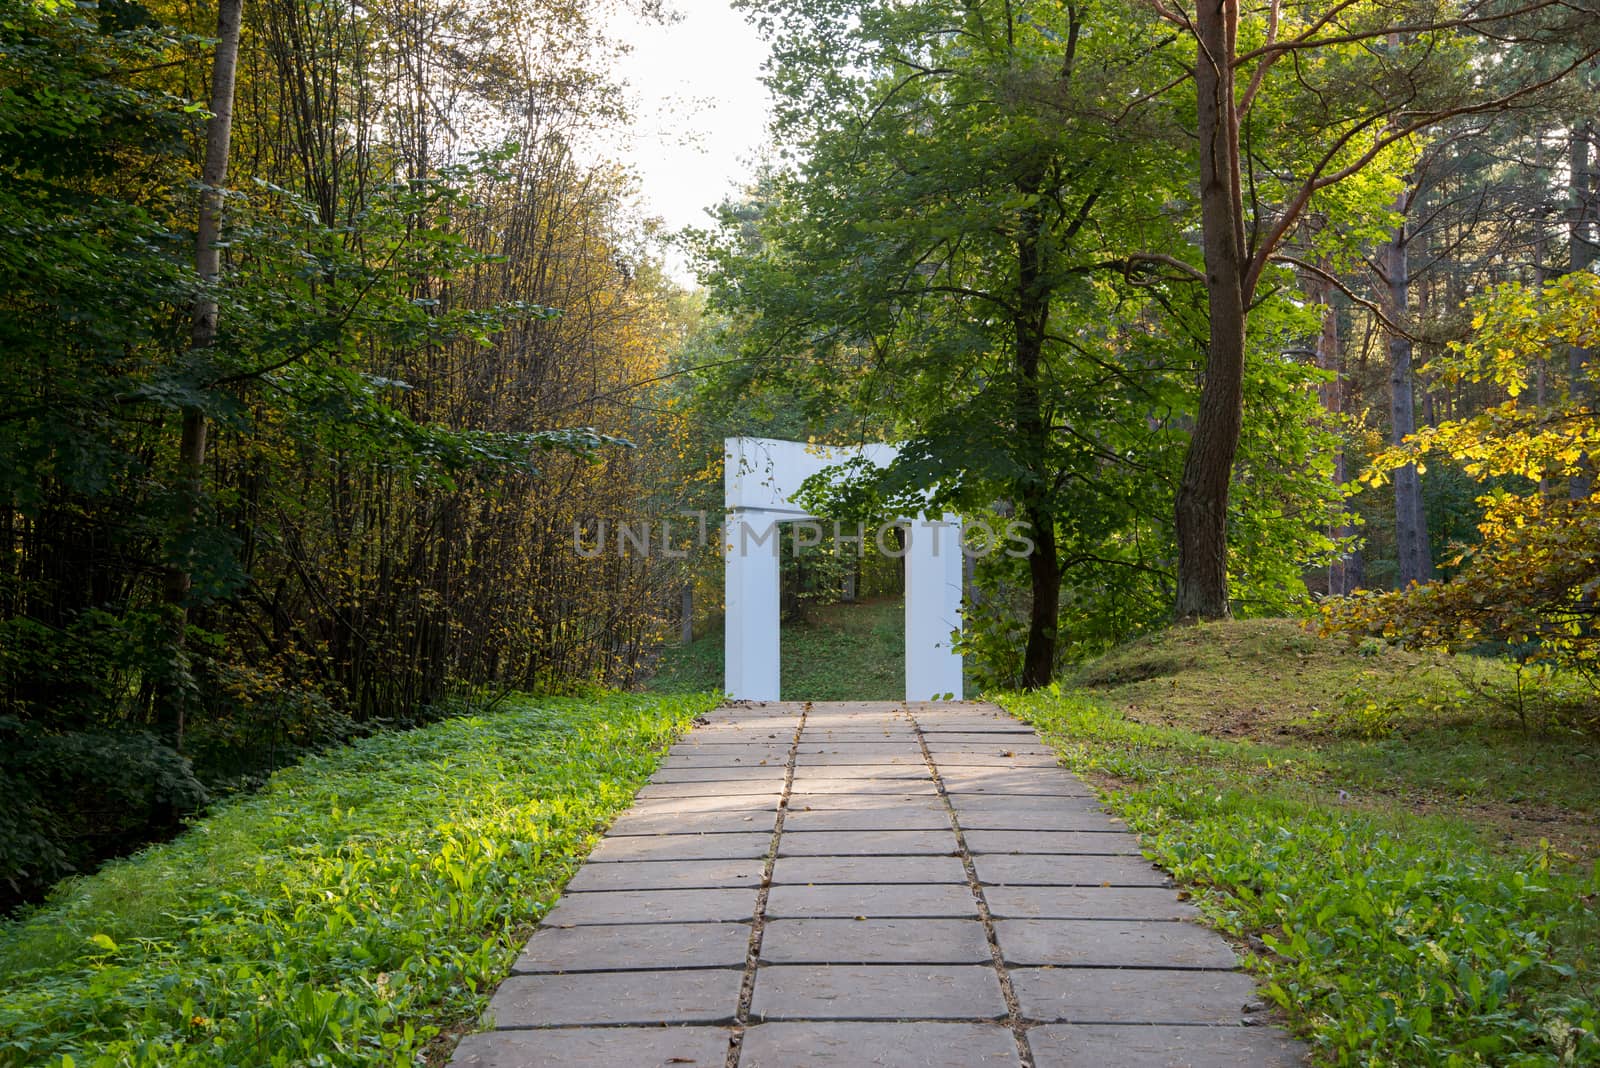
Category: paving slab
[698,760]
[776,752]
[817,784]
[1088,903]
[981,813]
[871,772]
[1031,782]
[770,788]
[1112,944]
[1000,869]
[740,735]
[867,720]
[619,849]
[653,906]
[1024,745]
[877,992]
[709,996]
[994,760]
[890,804]
[902,817]
[881,941]
[1133,995]
[912,869]
[878,1045]
[825,758]
[702,806]
[636,1047]
[870,900]
[720,773]
[1163,1047]
[934,728]
[632,946]
[920,796]
[669,875]
[1117,841]
[799,843]
[734,755]
[734,820]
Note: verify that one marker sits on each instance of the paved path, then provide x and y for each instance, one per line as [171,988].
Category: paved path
[876,884]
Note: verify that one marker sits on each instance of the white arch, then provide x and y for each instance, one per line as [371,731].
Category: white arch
[760,476]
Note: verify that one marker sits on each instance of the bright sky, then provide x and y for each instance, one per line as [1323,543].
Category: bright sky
[701,111]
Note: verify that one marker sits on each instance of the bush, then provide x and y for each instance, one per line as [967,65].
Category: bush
[73,798]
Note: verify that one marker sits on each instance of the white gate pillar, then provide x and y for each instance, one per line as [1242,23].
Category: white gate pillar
[751,590]
[760,475]
[933,608]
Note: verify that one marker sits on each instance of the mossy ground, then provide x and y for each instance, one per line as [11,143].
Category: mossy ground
[1371,725]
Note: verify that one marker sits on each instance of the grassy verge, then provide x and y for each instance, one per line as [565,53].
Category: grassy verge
[350,913]
[840,652]
[1378,879]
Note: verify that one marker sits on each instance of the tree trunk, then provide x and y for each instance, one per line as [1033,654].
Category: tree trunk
[1033,493]
[1344,573]
[1410,521]
[1202,504]
[1044,574]
[178,579]
[1581,252]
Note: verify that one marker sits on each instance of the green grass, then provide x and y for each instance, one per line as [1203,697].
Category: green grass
[1374,877]
[352,912]
[840,652]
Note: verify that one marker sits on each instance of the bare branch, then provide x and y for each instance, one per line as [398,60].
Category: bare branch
[1318,180]
[1333,280]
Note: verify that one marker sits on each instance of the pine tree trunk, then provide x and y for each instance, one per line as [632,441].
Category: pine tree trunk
[1410,521]
[1581,252]
[1344,573]
[1202,504]
[178,579]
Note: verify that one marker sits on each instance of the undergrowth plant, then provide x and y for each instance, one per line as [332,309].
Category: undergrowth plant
[1388,938]
[361,903]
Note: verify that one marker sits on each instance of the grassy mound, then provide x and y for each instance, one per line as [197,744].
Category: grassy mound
[1445,734]
[350,913]
[1416,880]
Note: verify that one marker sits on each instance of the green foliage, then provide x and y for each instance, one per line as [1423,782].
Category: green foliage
[961,259]
[345,914]
[74,797]
[1386,937]
[1529,583]
[380,387]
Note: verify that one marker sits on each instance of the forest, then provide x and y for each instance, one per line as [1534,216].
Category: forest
[327,336]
